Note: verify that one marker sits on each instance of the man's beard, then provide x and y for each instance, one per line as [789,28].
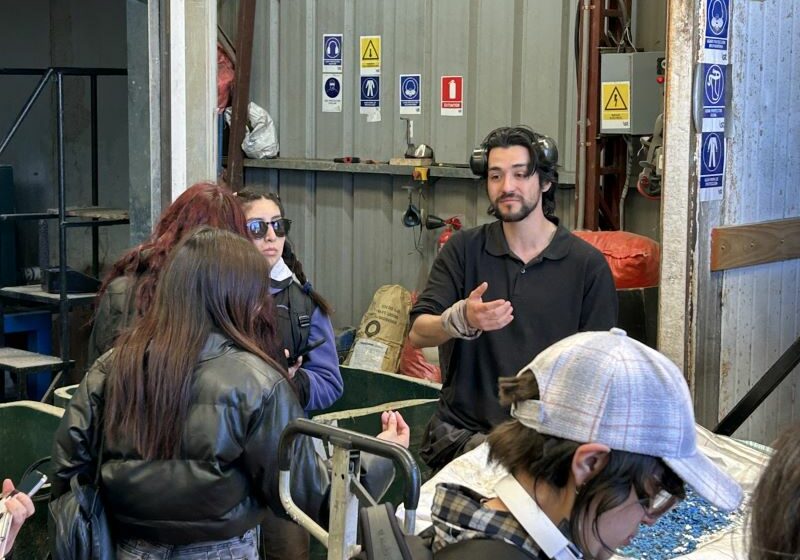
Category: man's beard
[525,209]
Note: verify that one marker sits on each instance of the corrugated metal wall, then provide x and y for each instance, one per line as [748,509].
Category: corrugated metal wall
[517,60]
[757,306]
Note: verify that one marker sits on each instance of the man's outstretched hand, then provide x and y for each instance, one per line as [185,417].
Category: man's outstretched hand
[490,315]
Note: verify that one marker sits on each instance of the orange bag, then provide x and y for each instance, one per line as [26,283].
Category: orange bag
[413,362]
[634,259]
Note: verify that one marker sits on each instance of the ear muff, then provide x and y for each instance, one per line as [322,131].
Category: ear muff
[478,161]
[545,147]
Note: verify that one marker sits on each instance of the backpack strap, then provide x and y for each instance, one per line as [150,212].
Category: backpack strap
[482,549]
[382,538]
[301,307]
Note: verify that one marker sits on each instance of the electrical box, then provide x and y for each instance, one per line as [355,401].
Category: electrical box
[631,92]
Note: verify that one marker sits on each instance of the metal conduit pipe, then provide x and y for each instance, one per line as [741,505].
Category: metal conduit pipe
[582,114]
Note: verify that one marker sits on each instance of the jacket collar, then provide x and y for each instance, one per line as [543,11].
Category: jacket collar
[216,345]
[497,245]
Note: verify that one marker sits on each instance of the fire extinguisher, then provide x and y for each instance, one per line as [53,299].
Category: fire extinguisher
[451,225]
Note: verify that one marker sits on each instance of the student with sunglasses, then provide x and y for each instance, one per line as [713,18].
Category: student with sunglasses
[303,314]
[303,319]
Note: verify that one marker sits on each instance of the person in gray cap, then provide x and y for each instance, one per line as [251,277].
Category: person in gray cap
[602,439]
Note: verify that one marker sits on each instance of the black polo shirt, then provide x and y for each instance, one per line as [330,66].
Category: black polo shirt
[566,289]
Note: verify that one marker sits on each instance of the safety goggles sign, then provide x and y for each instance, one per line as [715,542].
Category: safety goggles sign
[712,165]
[331,93]
[370,93]
[452,96]
[410,94]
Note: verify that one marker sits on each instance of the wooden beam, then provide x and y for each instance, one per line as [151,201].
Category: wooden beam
[241,93]
[749,244]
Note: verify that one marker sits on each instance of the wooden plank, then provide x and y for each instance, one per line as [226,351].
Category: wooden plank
[241,93]
[749,244]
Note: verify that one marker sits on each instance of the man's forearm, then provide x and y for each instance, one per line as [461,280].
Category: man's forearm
[428,331]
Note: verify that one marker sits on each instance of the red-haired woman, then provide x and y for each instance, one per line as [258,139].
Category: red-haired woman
[129,288]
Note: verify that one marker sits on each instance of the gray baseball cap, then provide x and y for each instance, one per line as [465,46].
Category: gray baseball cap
[605,387]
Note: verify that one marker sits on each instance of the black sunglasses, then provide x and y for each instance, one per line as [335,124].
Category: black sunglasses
[258,227]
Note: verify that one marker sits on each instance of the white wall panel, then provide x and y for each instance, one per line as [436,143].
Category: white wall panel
[759,317]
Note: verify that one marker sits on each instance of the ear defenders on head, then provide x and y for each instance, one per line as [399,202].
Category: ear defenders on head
[544,147]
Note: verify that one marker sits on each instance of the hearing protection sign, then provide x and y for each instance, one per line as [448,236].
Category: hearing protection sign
[332,52]
[616,104]
[370,55]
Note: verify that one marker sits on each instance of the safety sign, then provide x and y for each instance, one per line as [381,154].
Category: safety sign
[332,52]
[370,93]
[616,104]
[717,31]
[714,97]
[370,55]
[410,94]
[331,93]
[452,96]
[712,165]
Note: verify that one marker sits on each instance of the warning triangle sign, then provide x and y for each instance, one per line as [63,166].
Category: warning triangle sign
[370,52]
[615,101]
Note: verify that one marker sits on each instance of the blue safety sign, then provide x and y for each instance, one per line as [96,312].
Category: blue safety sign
[718,17]
[712,159]
[333,87]
[332,52]
[714,92]
[410,94]
[370,91]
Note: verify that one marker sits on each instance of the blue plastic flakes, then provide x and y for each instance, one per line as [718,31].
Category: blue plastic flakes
[681,530]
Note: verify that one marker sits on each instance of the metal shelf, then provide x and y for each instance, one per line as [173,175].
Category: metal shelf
[301,164]
[35,293]
[93,216]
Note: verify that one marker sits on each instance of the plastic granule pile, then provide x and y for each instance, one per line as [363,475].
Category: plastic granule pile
[681,530]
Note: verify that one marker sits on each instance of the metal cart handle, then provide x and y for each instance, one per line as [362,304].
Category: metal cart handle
[346,439]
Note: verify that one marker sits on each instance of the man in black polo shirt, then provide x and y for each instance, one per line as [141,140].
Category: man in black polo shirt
[499,294]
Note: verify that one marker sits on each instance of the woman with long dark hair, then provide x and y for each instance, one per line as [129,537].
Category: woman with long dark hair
[189,409]
[303,314]
[129,288]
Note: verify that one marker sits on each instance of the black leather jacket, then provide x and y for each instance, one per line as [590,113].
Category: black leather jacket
[228,469]
[116,310]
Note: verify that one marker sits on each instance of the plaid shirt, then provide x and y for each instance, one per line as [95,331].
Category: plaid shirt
[458,515]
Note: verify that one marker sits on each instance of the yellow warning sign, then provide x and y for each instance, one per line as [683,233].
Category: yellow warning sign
[370,53]
[616,103]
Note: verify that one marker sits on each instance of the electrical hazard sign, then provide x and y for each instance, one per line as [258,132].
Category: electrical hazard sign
[370,55]
[616,105]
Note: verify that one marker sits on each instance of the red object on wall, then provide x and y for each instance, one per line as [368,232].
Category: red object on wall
[452,90]
[225,78]
[634,259]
